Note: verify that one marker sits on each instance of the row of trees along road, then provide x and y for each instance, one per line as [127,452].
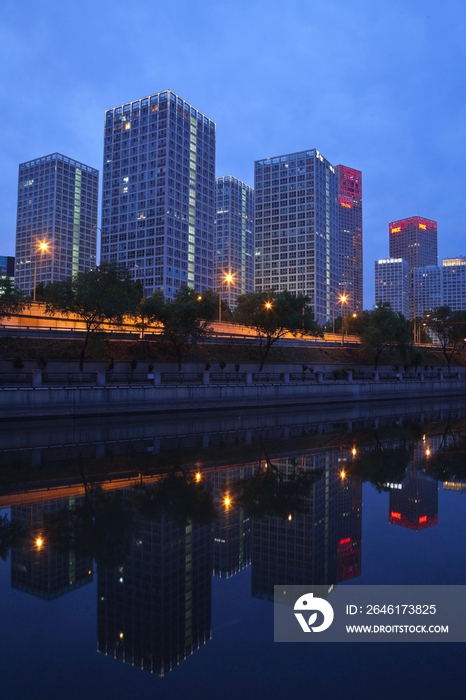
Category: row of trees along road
[108,294]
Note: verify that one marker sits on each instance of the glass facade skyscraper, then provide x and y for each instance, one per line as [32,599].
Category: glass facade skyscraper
[350,280]
[159,192]
[392,284]
[234,238]
[297,229]
[414,240]
[440,286]
[57,208]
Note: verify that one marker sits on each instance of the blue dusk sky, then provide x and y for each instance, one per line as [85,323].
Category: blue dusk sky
[377,86]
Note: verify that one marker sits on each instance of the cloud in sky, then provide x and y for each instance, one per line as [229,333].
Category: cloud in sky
[376,86]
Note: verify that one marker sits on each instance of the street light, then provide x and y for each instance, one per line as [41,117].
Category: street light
[228,279]
[343,300]
[42,247]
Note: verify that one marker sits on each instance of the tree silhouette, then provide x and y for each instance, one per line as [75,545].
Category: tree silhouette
[273,315]
[105,294]
[181,497]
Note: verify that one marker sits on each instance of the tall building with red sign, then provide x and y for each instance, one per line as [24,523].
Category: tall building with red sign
[414,240]
[350,237]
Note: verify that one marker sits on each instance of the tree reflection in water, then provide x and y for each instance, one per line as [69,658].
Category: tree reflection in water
[448,462]
[12,534]
[272,491]
[101,527]
[183,497]
[382,464]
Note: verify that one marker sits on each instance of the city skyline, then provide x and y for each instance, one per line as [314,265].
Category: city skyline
[365,106]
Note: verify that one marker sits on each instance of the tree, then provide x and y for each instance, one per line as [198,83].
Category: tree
[183,498]
[449,328]
[271,492]
[185,319]
[379,329]
[382,464]
[100,527]
[273,315]
[12,299]
[105,294]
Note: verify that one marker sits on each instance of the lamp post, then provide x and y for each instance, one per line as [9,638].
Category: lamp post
[227,279]
[343,300]
[42,247]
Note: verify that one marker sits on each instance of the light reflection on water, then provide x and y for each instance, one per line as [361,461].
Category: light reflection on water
[169,578]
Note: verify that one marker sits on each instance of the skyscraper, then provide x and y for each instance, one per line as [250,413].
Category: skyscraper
[234,239]
[440,286]
[296,239]
[414,240]
[159,192]
[392,284]
[56,230]
[350,281]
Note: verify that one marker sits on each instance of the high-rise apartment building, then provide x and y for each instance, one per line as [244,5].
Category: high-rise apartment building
[56,230]
[350,278]
[159,192]
[234,239]
[296,239]
[414,240]
[440,286]
[392,284]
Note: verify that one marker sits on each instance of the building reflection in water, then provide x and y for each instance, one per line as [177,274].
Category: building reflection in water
[155,609]
[231,545]
[36,567]
[154,584]
[414,502]
[319,548]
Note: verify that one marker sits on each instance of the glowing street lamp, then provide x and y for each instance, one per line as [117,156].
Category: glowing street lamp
[343,300]
[42,247]
[268,305]
[228,279]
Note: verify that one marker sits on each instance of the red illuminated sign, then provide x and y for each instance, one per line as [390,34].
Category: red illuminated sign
[345,201]
[395,515]
[415,221]
[350,181]
[423,519]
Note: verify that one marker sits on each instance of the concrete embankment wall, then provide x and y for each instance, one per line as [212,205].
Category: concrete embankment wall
[104,400]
